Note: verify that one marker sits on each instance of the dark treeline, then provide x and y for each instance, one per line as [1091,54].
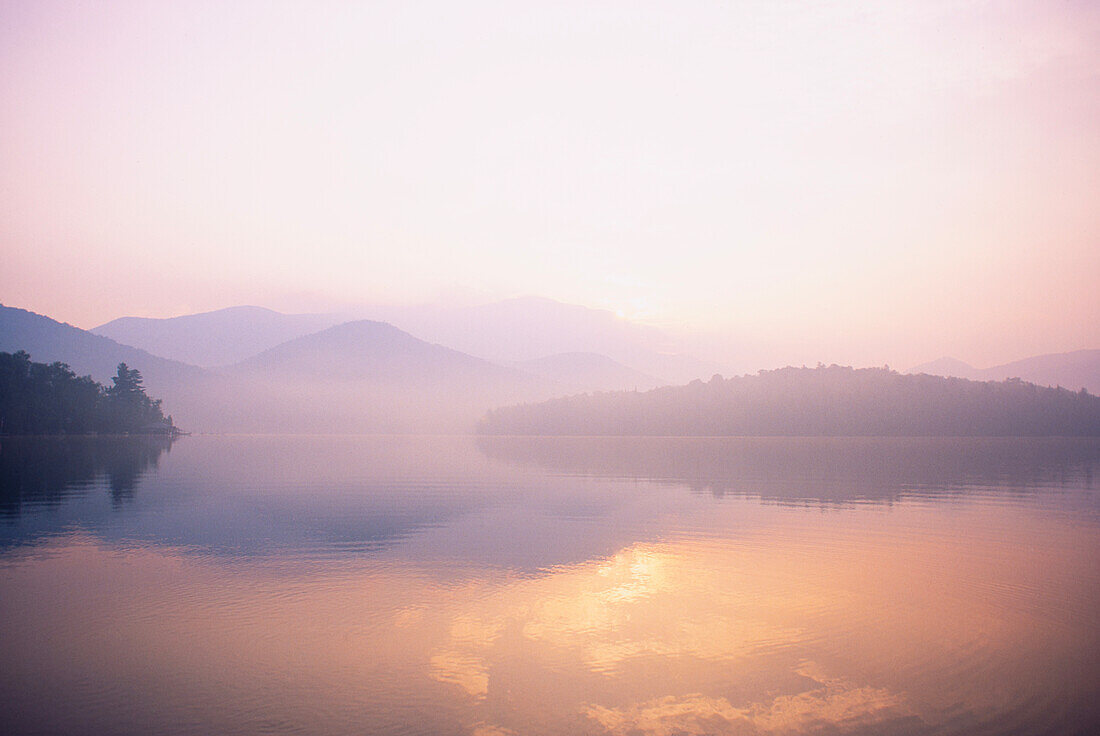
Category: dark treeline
[41,398]
[822,401]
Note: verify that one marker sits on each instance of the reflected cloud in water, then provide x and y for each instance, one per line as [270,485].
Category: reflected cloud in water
[835,705]
[521,586]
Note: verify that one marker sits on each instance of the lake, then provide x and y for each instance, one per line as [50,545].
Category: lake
[493,586]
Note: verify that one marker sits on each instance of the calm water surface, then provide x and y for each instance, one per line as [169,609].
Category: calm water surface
[401,585]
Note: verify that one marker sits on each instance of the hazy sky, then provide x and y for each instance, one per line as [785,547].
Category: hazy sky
[858,182]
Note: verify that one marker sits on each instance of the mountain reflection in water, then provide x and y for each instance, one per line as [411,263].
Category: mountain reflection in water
[389,585]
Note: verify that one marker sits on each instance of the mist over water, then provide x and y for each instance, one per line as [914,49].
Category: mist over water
[549,369]
[459,585]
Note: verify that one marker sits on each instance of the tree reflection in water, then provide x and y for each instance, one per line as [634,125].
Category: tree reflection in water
[45,471]
[817,470]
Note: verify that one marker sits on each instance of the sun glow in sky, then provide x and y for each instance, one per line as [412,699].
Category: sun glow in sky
[864,182]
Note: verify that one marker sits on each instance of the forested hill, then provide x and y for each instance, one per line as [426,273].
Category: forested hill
[49,398]
[831,400]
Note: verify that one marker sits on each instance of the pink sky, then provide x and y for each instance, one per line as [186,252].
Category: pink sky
[860,183]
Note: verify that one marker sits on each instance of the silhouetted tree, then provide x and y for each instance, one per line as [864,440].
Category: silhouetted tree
[128,407]
[40,398]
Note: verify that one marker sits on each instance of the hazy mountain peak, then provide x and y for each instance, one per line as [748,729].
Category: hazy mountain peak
[531,327]
[48,340]
[945,366]
[368,349]
[240,310]
[221,337]
[353,337]
[1074,370]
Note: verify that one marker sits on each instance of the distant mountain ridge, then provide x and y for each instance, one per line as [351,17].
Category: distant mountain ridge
[533,328]
[509,332]
[946,366]
[48,340]
[371,376]
[193,395]
[366,349]
[218,338]
[1073,370]
[354,377]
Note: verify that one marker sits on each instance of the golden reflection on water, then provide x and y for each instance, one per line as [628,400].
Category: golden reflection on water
[857,620]
[830,622]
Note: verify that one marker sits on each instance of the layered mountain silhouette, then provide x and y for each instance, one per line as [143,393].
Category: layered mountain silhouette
[355,377]
[216,338]
[532,328]
[48,340]
[371,376]
[1074,370]
[509,332]
[380,353]
[197,398]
